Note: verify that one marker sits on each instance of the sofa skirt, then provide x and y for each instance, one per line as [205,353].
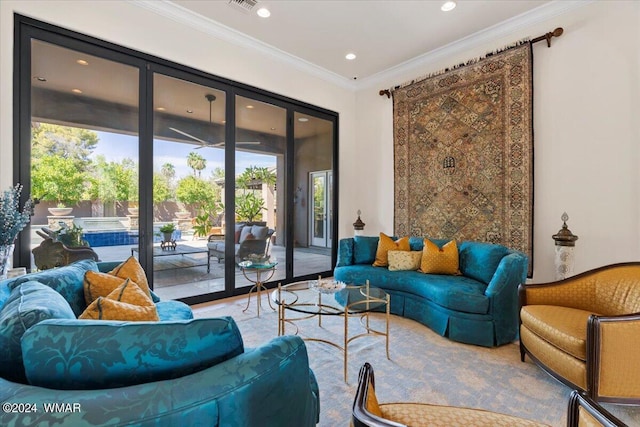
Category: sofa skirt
[469,328]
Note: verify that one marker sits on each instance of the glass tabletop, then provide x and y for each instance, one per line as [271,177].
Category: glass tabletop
[304,297]
[258,266]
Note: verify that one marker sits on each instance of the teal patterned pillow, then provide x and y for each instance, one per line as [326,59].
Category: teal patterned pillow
[480,260]
[364,249]
[67,281]
[28,304]
[95,354]
[345,252]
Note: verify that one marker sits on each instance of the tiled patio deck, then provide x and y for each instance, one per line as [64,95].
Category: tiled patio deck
[186,275]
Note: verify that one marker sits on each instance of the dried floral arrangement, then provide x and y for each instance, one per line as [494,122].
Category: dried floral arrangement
[12,219]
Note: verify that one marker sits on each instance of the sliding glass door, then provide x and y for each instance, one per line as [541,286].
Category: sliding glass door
[137,156]
[260,146]
[313,195]
[83,149]
[188,182]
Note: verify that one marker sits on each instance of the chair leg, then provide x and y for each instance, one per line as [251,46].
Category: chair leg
[522,352]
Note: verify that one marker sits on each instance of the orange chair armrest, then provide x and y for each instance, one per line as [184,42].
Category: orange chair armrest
[613,360]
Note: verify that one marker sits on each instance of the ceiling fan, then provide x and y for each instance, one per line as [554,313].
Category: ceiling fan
[209,97]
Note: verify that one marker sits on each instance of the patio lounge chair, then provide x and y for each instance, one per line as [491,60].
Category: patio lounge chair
[249,239]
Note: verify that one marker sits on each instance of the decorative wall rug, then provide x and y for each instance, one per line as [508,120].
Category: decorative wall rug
[463,146]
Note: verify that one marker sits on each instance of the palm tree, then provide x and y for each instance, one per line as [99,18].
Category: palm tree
[169,171]
[196,162]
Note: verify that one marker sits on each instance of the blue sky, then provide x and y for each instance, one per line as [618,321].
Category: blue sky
[116,147]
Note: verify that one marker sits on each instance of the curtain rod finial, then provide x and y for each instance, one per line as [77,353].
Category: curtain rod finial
[385,92]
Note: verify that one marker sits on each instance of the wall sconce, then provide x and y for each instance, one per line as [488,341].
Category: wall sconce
[358,226]
[565,246]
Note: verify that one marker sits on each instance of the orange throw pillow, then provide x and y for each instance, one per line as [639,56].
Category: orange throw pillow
[126,302]
[386,244]
[437,260]
[131,269]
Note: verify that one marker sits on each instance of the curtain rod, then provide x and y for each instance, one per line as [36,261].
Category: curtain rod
[548,36]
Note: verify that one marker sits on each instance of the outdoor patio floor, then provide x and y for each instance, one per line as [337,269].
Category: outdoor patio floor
[185,275]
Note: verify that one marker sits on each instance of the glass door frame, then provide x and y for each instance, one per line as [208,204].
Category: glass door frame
[26,29]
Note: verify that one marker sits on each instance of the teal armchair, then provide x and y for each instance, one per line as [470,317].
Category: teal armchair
[57,370]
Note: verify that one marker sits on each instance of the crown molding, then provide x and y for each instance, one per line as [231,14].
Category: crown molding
[475,40]
[184,16]
[179,14]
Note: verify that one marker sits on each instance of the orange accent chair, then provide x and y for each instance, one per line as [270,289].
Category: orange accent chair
[585,331]
[367,412]
[584,412]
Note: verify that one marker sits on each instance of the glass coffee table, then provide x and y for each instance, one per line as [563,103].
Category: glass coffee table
[304,300]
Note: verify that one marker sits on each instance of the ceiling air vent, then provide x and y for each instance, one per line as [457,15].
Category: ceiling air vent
[243,5]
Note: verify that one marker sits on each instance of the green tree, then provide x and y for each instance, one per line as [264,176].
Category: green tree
[218,173]
[60,162]
[197,192]
[161,188]
[111,181]
[253,175]
[101,186]
[249,207]
[63,141]
[196,162]
[57,178]
[168,171]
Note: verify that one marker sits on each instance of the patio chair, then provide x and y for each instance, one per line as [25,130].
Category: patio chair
[252,240]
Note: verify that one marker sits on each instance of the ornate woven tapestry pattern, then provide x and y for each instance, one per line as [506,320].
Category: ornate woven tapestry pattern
[463,146]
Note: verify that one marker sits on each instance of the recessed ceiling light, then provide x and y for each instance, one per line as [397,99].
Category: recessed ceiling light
[250,107]
[303,119]
[350,56]
[223,122]
[190,111]
[76,91]
[448,6]
[40,78]
[263,12]
[82,62]
[160,109]
[273,128]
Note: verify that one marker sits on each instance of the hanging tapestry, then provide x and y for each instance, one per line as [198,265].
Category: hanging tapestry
[463,153]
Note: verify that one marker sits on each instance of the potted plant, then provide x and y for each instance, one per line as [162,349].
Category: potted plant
[71,237]
[249,207]
[167,231]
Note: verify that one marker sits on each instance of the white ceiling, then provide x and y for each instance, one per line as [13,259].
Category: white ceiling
[382,33]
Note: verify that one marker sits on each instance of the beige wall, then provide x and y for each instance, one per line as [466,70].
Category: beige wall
[587,104]
[587,136]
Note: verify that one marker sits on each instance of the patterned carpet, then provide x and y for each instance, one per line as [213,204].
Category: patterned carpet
[424,367]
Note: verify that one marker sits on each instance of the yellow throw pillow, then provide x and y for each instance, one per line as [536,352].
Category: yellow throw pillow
[126,302]
[131,269]
[99,285]
[386,244]
[404,260]
[130,293]
[108,309]
[437,260]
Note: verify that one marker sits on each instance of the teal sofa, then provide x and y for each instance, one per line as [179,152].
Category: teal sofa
[480,306]
[57,370]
